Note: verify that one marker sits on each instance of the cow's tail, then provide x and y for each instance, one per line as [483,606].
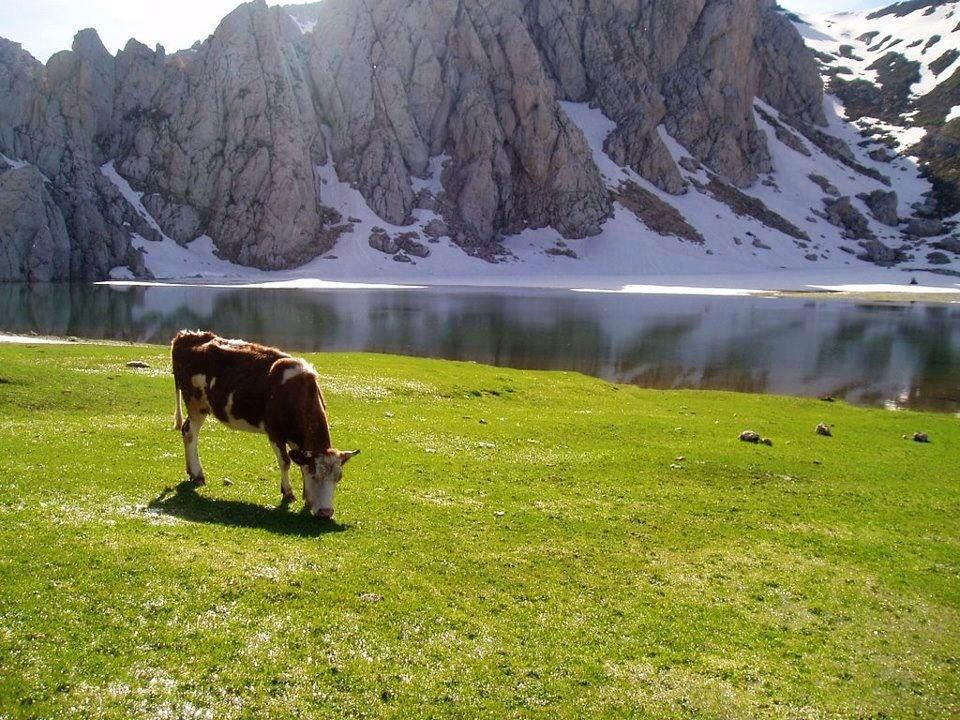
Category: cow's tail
[178,415]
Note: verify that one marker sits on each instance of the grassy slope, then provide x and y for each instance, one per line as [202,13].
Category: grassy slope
[747,582]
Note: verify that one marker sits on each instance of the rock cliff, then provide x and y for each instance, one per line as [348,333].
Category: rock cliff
[225,139]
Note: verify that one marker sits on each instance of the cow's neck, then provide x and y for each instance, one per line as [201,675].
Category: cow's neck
[317,436]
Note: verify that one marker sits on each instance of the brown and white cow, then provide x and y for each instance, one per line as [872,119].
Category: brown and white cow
[259,389]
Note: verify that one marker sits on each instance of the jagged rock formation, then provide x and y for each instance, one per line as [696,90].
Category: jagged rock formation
[223,139]
[883,205]
[34,245]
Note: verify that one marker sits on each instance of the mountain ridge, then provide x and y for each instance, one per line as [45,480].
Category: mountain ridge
[448,118]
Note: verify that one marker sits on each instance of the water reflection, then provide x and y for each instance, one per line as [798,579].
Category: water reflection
[884,355]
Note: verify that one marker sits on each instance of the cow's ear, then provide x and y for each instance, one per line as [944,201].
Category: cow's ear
[346,455]
[298,457]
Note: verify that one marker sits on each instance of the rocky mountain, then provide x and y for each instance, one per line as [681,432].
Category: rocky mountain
[364,131]
[897,72]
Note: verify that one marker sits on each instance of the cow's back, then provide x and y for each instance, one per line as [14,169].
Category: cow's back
[231,378]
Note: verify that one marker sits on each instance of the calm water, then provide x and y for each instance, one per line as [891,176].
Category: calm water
[885,355]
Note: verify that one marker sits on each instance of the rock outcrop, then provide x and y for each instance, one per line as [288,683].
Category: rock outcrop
[225,139]
[883,205]
[843,214]
[34,245]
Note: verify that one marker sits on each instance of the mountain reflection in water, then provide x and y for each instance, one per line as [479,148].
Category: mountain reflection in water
[903,355]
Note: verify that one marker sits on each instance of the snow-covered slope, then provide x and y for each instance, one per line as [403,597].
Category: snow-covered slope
[736,250]
[896,71]
[924,36]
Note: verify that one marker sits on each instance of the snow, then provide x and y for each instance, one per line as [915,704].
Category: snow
[14,164]
[953,114]
[132,196]
[307,26]
[432,181]
[795,196]
[31,340]
[826,32]
[670,290]
[293,284]
[167,259]
[121,272]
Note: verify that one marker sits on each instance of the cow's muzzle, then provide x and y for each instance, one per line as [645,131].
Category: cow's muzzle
[323,513]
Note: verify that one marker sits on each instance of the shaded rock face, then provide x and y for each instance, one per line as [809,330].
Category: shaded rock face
[843,214]
[883,205]
[223,139]
[34,245]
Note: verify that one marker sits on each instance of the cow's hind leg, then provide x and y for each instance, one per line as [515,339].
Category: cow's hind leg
[283,461]
[191,436]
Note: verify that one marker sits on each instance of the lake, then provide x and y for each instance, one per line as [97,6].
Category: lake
[888,355]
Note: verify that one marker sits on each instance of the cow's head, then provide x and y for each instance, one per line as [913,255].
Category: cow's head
[321,473]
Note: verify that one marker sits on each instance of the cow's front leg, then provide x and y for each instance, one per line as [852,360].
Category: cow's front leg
[283,461]
[191,437]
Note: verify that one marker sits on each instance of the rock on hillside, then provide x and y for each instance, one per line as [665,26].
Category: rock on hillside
[897,72]
[225,139]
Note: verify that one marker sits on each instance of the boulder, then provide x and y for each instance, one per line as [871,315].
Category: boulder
[380,240]
[843,214]
[435,229]
[880,254]
[883,205]
[408,243]
[924,227]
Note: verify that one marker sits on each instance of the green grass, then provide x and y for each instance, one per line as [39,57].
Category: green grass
[509,544]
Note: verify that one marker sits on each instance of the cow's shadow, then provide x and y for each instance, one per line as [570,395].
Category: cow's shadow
[184,502]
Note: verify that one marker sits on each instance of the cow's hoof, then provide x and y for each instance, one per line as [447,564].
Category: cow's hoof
[288,497]
[198,480]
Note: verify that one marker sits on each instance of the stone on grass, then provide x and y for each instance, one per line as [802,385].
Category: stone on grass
[824,430]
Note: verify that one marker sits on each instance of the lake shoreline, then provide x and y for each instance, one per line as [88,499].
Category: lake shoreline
[862,292]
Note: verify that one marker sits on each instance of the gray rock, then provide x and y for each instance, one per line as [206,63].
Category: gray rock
[950,244]
[178,221]
[880,254]
[938,258]
[380,240]
[34,245]
[843,214]
[824,184]
[435,229]
[425,200]
[224,138]
[924,227]
[408,243]
[883,205]
[659,216]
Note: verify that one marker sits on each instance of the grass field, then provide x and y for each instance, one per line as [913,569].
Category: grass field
[508,544]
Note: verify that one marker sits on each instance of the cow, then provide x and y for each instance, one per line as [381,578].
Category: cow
[258,389]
